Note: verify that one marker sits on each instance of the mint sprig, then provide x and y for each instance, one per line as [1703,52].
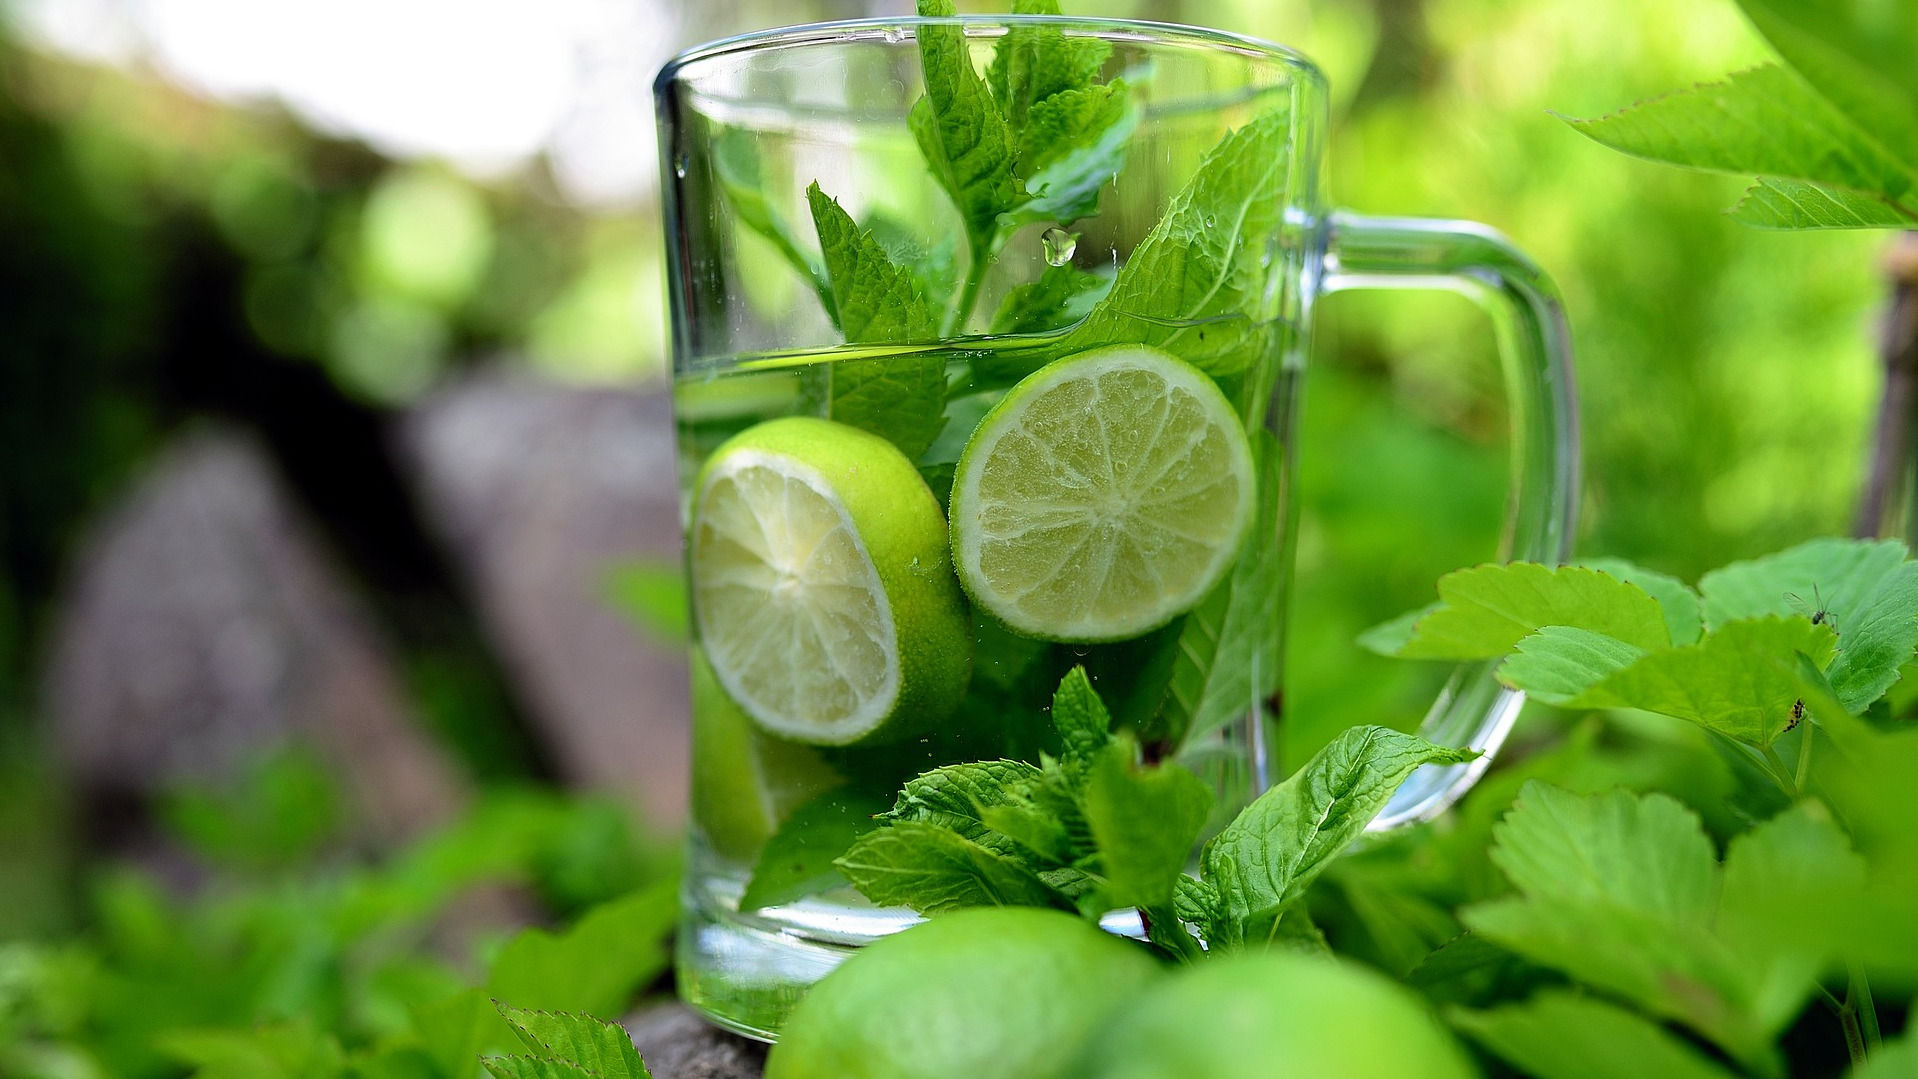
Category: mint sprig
[1096,829]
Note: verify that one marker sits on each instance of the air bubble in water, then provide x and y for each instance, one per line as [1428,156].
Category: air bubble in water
[679,165]
[1058,245]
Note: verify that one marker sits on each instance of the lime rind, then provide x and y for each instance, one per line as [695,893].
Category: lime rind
[1103,496]
[822,588]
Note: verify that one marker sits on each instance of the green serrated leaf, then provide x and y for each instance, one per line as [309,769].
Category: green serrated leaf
[961,132]
[1741,680]
[1277,846]
[741,178]
[1621,892]
[1196,285]
[878,299]
[1562,1035]
[934,268]
[932,869]
[1866,591]
[1144,822]
[1858,55]
[1676,600]
[595,1047]
[797,861]
[595,965]
[1794,204]
[1076,143]
[527,1067]
[1033,64]
[956,796]
[1229,656]
[1080,716]
[1484,611]
[1778,879]
[1061,296]
[1764,121]
[1559,663]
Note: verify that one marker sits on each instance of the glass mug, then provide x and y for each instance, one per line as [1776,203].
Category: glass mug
[966,311]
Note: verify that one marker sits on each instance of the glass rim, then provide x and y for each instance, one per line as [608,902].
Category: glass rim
[842,31]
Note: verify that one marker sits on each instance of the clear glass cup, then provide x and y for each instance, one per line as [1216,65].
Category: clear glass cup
[747,125]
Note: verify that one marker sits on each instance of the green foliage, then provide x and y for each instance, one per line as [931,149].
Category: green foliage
[1560,1035]
[1833,138]
[568,1046]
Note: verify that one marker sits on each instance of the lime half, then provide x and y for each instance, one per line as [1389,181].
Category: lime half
[822,586]
[1103,495]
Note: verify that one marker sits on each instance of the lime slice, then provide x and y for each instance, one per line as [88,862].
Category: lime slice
[745,781]
[822,587]
[1103,495]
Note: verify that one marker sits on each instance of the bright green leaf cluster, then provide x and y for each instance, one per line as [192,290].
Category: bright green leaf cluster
[1585,638]
[1623,892]
[1832,134]
[1096,830]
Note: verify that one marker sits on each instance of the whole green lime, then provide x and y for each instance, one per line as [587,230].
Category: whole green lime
[986,993]
[1274,1016]
[822,585]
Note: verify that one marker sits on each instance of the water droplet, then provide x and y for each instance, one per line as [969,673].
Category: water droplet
[679,165]
[1211,221]
[1058,245]
[1270,253]
[894,34]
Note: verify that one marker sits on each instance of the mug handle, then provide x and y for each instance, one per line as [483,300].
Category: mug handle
[1535,353]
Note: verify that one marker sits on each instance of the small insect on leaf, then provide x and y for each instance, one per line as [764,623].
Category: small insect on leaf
[1816,610]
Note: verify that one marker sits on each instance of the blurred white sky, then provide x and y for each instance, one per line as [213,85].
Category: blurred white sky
[482,83]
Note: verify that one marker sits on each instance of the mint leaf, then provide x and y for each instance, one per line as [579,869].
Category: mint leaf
[598,963]
[736,161]
[797,860]
[1144,822]
[934,269]
[1061,296]
[956,796]
[1483,612]
[1868,592]
[1794,204]
[1676,600]
[1858,54]
[1764,121]
[877,299]
[1196,285]
[1033,63]
[1229,657]
[901,398]
[593,1046]
[1080,716]
[1561,1035]
[1277,846]
[1074,145]
[962,133]
[932,869]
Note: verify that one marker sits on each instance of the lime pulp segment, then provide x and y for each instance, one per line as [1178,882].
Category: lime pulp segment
[1104,495]
[791,608]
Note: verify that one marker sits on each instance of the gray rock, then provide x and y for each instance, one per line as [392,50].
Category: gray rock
[202,628]
[540,489]
[677,1044]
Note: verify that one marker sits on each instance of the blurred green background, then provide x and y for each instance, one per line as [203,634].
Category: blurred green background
[336,253]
